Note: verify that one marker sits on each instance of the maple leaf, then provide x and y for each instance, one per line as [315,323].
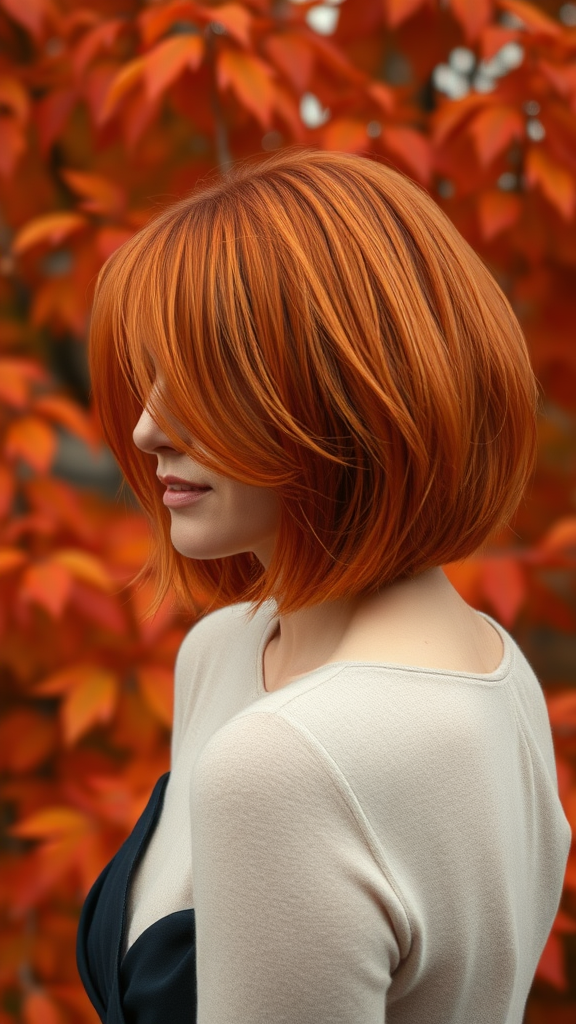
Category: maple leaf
[166,62]
[250,78]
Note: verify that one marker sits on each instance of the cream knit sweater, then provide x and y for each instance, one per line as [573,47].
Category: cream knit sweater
[371,843]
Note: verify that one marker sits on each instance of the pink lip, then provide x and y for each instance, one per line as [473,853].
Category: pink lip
[176,499]
[180,480]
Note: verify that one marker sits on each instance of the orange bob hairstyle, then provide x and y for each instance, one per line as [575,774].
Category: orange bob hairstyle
[324,330]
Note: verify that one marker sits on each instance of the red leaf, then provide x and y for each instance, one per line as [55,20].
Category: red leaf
[235,19]
[473,15]
[504,584]
[398,11]
[493,129]
[39,1008]
[51,116]
[555,181]
[159,19]
[32,440]
[412,147]
[11,559]
[535,20]
[26,739]
[7,490]
[29,14]
[14,98]
[494,37]
[109,238]
[16,375]
[46,584]
[292,55]
[127,78]
[12,145]
[497,210]
[347,134]
[166,62]
[157,687]
[451,115]
[551,967]
[250,79]
[102,37]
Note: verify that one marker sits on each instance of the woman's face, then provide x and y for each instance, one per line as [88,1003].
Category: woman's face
[226,518]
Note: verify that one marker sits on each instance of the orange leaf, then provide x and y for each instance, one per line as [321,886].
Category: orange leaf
[46,584]
[451,115]
[347,134]
[561,536]
[109,238]
[166,62]
[157,687]
[381,95]
[473,15]
[50,229]
[7,489]
[292,55]
[59,300]
[235,19]
[412,147]
[90,702]
[493,129]
[12,145]
[51,823]
[555,181]
[250,79]
[127,78]
[100,194]
[32,440]
[102,37]
[504,584]
[534,20]
[493,38]
[15,378]
[10,559]
[398,11]
[30,14]
[26,739]
[69,415]
[158,20]
[14,97]
[51,115]
[84,566]
[497,210]
[39,1008]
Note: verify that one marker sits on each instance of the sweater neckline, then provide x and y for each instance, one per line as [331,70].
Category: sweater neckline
[332,667]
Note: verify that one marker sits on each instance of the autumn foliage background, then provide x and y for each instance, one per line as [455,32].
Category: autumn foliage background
[109,111]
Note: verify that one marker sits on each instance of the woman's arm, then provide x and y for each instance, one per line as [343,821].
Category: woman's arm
[293,915]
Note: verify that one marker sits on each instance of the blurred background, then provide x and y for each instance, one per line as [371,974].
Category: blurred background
[109,110]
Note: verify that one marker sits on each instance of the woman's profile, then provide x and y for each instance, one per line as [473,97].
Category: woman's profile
[320,396]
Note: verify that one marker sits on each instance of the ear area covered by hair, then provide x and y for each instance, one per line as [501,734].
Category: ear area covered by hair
[321,328]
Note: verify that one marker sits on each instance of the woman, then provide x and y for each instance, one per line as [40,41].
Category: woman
[320,396]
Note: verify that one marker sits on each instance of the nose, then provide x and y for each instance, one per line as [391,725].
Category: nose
[148,436]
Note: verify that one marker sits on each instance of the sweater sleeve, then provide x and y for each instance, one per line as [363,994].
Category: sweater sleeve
[294,916]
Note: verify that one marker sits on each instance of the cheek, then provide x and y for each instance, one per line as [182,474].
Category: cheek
[260,507]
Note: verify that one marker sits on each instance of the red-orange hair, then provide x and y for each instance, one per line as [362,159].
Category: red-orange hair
[323,329]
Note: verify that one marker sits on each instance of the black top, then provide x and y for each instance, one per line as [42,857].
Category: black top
[156,980]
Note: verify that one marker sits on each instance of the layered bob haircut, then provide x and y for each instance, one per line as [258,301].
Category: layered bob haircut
[324,330]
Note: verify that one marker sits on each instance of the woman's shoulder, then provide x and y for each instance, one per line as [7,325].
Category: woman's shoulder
[215,630]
